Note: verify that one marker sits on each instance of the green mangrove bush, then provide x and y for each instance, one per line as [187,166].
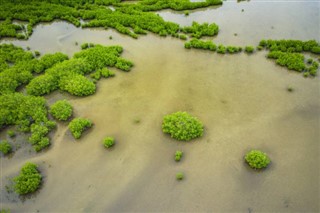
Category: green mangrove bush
[179,176]
[29,113]
[178,155]
[257,159]
[28,180]
[182,126]
[249,49]
[108,142]
[5,147]
[78,125]
[61,110]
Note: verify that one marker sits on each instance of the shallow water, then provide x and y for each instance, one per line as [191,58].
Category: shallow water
[242,101]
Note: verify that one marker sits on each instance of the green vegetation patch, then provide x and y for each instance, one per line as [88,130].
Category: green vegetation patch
[108,142]
[61,110]
[29,113]
[78,125]
[28,180]
[5,147]
[11,133]
[290,54]
[178,155]
[130,19]
[257,159]
[198,30]
[179,176]
[182,126]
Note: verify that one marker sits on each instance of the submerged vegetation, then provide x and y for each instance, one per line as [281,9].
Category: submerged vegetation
[257,159]
[28,180]
[78,125]
[130,19]
[182,126]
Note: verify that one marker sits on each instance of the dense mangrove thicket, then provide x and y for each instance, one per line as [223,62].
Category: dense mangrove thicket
[130,19]
[19,68]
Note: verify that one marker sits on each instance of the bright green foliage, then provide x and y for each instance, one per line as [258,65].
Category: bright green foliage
[221,49]
[178,155]
[29,113]
[42,85]
[77,85]
[199,44]
[5,211]
[5,147]
[78,125]
[49,60]
[293,61]
[289,53]
[37,53]
[290,45]
[108,142]
[11,133]
[182,126]
[123,64]
[86,45]
[257,159]
[233,49]
[199,30]
[104,72]
[61,110]
[38,135]
[249,49]
[28,180]
[179,176]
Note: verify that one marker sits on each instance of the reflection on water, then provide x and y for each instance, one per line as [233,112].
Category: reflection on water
[242,101]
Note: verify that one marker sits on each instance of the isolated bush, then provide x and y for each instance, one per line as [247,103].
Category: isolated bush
[28,180]
[5,147]
[178,155]
[179,176]
[108,142]
[182,126]
[257,159]
[61,110]
[78,125]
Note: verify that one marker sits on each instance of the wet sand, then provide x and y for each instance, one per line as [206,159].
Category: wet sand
[242,100]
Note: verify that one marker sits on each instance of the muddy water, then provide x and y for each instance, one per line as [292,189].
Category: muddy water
[242,101]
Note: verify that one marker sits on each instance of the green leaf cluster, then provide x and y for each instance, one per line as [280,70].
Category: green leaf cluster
[5,147]
[78,125]
[249,49]
[28,180]
[257,159]
[61,110]
[182,126]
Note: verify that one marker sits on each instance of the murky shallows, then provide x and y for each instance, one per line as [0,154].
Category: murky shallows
[242,101]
